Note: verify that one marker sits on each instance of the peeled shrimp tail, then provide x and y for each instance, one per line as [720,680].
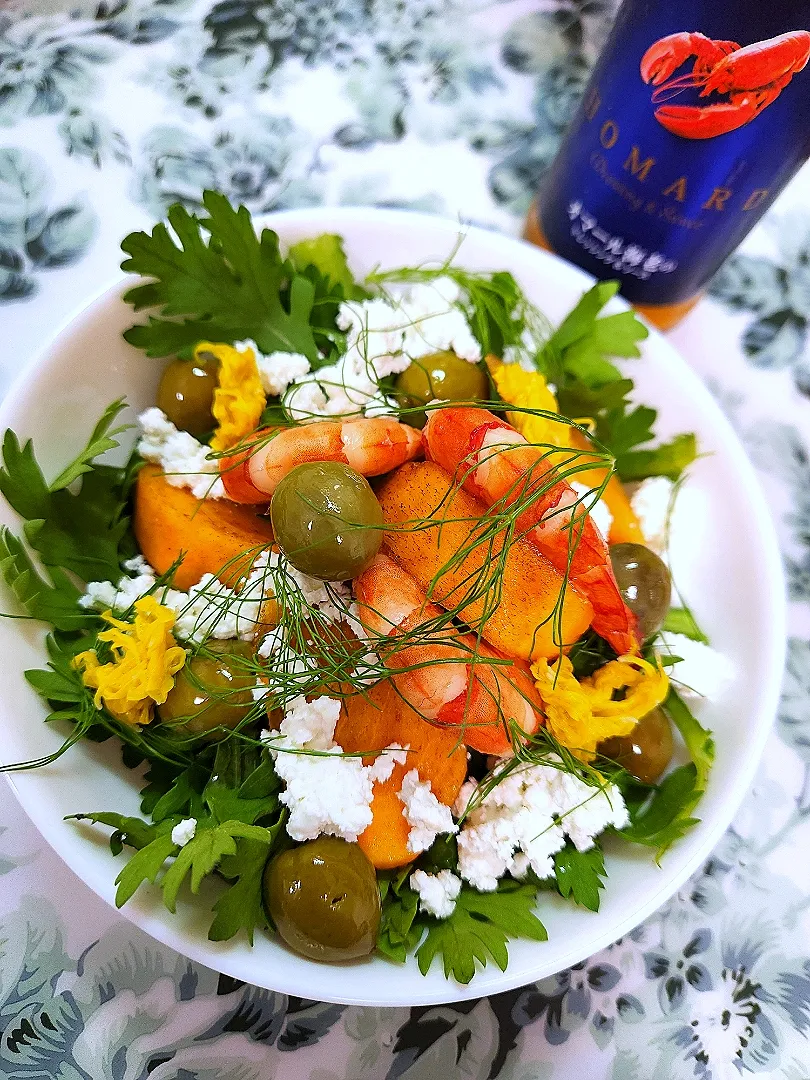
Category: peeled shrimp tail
[370,445]
[444,677]
[496,464]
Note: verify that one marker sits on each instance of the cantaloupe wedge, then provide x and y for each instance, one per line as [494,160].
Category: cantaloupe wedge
[375,721]
[523,624]
[214,536]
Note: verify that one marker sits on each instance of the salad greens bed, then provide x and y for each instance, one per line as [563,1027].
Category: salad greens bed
[213,278]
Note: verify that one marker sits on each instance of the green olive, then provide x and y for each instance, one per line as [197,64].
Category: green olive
[646,751]
[211,692]
[441,376]
[326,520]
[324,900]
[186,393]
[645,584]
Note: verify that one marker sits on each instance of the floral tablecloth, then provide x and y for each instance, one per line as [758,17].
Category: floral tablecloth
[115,109]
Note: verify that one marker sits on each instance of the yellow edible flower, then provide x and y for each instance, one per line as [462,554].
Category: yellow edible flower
[145,659]
[583,714]
[239,398]
[529,390]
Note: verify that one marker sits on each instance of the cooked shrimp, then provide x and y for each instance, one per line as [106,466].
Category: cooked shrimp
[496,464]
[442,678]
[370,445]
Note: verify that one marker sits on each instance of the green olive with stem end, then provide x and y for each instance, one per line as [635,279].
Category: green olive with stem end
[211,693]
[326,520]
[324,899]
[186,393]
[442,376]
[646,751]
[645,584]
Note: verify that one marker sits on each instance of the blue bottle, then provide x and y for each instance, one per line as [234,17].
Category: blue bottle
[695,117]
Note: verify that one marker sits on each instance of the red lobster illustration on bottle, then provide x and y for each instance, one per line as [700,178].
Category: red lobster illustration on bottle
[752,77]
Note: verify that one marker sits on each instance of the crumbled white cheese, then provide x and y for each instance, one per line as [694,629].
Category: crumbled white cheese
[437,892]
[311,723]
[702,672]
[383,765]
[650,503]
[208,610]
[599,512]
[184,831]
[279,370]
[383,336]
[424,813]
[324,793]
[305,400]
[525,819]
[184,460]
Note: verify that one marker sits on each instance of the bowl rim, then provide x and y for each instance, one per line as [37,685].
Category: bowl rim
[337,219]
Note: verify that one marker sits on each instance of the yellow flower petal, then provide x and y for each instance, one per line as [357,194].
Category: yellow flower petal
[583,714]
[239,398]
[529,390]
[145,660]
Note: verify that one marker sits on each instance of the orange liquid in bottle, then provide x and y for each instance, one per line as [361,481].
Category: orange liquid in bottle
[664,316]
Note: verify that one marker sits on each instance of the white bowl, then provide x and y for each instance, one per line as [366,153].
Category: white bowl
[725,560]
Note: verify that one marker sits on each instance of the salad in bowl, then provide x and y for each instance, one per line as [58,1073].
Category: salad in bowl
[379,606]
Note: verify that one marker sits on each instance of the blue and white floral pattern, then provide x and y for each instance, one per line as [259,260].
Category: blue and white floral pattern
[110,110]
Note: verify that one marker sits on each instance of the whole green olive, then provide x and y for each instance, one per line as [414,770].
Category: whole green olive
[326,520]
[645,584]
[441,376]
[324,900]
[186,393]
[646,751]
[211,693]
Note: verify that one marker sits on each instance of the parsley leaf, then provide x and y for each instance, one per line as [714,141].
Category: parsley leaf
[682,621]
[54,602]
[227,288]
[101,439]
[479,929]
[86,531]
[669,459]
[581,345]
[576,357]
[326,255]
[580,874]
[241,906]
[203,853]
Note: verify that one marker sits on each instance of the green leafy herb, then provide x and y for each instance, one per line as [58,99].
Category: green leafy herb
[580,874]
[225,289]
[401,928]
[101,440]
[589,653]
[325,253]
[666,815]
[681,621]
[479,929]
[54,602]
[85,531]
[577,359]
[581,346]
[241,907]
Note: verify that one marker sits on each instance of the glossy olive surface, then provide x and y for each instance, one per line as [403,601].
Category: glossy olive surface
[211,692]
[186,394]
[646,751]
[326,520]
[324,900]
[645,584]
[441,376]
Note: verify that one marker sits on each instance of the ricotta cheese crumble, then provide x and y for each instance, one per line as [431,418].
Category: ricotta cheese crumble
[525,820]
[324,792]
[183,459]
[437,892]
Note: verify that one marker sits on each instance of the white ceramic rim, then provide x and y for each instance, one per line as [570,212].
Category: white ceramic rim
[299,981]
